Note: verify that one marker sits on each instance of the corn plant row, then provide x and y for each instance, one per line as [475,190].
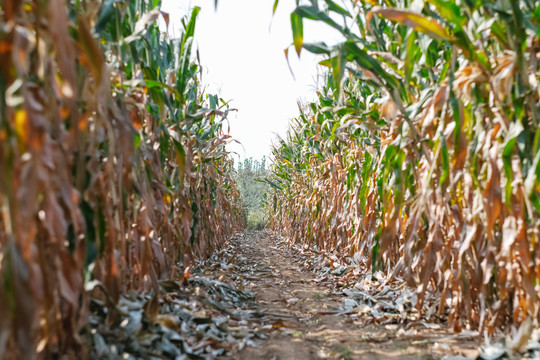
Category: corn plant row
[421,156]
[113,167]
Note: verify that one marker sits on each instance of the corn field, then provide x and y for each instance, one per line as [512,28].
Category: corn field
[113,165]
[419,159]
[421,156]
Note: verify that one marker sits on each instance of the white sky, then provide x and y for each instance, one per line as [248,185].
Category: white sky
[244,62]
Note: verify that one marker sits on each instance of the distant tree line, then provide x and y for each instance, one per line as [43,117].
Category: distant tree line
[250,180]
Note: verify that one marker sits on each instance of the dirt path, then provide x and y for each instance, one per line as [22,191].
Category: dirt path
[259,298]
[306,318]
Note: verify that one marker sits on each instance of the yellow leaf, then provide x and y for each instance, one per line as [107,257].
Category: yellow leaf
[21,126]
[167,199]
[408,18]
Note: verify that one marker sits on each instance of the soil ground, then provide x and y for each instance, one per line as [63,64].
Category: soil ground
[308,319]
[261,298]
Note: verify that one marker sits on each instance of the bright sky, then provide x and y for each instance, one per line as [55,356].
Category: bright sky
[244,62]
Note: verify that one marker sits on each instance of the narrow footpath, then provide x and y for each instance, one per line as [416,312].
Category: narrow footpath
[260,298]
[306,312]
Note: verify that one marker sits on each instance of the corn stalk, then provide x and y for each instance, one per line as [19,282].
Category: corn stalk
[113,167]
[421,155]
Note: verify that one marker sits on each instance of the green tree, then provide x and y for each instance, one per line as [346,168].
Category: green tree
[250,178]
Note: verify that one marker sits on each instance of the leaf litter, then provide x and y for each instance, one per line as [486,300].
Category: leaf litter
[261,297]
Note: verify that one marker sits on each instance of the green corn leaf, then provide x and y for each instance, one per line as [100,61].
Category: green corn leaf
[338,70]
[509,174]
[274,8]
[364,60]
[190,27]
[314,13]
[412,51]
[332,6]
[450,11]
[445,161]
[516,128]
[273,184]
[319,48]
[366,172]
[298,32]
[105,16]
